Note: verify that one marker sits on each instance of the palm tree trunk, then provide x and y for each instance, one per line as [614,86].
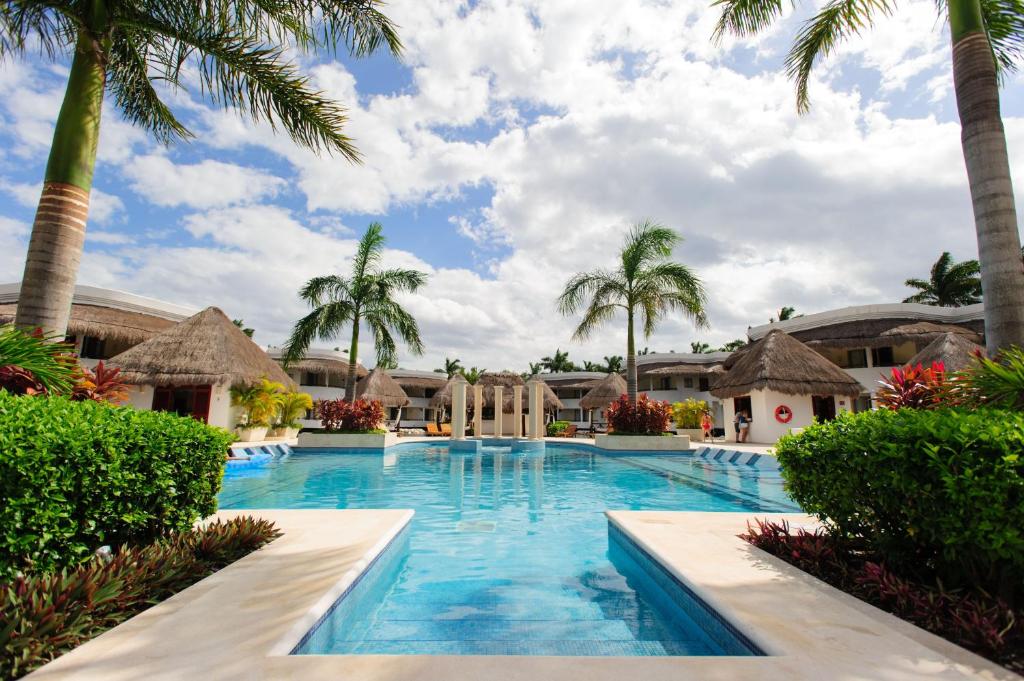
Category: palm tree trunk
[58,232]
[353,361]
[630,359]
[988,172]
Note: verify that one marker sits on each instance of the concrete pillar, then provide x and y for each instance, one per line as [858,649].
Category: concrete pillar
[459,408]
[536,416]
[499,410]
[517,411]
[478,410]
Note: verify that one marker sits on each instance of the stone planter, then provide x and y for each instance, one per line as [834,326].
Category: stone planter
[252,433]
[695,434]
[291,433]
[643,443]
[277,433]
[347,441]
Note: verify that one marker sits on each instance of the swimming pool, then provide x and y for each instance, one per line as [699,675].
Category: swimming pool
[511,553]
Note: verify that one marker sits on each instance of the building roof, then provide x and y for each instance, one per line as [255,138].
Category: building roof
[687,370]
[954,350]
[414,378]
[206,348]
[379,387]
[320,361]
[607,390]
[781,363]
[573,379]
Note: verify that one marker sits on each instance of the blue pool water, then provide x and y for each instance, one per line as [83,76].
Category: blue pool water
[511,553]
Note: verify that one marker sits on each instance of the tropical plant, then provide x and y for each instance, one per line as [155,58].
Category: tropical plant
[535,368]
[987,40]
[731,346]
[240,323]
[642,417]
[34,363]
[472,375]
[785,312]
[293,405]
[260,402]
[646,351]
[613,364]
[344,416]
[556,428]
[557,363]
[687,414]
[451,367]
[699,347]
[645,284]
[101,384]
[951,284]
[914,387]
[998,382]
[236,50]
[367,296]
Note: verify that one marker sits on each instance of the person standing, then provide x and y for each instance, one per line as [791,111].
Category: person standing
[706,424]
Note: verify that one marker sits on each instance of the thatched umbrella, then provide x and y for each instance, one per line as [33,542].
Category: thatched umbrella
[954,350]
[781,363]
[608,389]
[205,349]
[105,322]
[379,387]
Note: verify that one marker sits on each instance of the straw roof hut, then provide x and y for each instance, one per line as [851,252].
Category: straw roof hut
[443,397]
[380,387]
[205,349]
[781,363]
[608,389]
[688,370]
[954,350]
[926,332]
[105,322]
[334,369]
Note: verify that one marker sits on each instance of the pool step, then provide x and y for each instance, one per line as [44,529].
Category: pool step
[725,455]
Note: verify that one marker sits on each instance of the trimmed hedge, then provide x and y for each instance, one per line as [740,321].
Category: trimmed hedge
[78,475]
[937,492]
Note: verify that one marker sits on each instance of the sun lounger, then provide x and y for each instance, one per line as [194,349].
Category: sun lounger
[446,429]
[433,430]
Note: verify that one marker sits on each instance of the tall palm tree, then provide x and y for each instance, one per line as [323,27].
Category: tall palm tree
[535,368]
[951,284]
[234,49]
[557,363]
[645,284]
[451,367]
[785,312]
[240,323]
[367,297]
[987,39]
[613,364]
[699,347]
[472,375]
[731,346]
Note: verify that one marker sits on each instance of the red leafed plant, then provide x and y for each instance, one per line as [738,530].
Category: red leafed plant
[101,385]
[647,417]
[915,387]
[359,416]
[19,381]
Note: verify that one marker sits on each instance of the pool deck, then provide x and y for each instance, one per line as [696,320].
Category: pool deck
[241,622]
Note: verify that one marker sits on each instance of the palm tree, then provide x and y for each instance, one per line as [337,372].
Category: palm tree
[472,375]
[240,323]
[645,284]
[613,364]
[951,284]
[731,346]
[535,368]
[451,367]
[987,39]
[365,297]
[557,363]
[785,312]
[234,48]
[699,347]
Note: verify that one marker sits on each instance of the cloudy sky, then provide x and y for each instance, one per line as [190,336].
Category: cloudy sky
[512,147]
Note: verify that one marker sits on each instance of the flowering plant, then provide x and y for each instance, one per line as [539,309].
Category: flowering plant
[646,417]
[360,416]
[915,387]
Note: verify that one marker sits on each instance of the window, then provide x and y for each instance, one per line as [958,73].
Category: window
[190,400]
[310,378]
[664,383]
[703,384]
[856,359]
[688,382]
[428,415]
[92,348]
[882,357]
[824,407]
[429,392]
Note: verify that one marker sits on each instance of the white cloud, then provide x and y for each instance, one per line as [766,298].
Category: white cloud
[207,184]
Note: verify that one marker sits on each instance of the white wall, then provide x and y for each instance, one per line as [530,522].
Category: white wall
[222,414]
[764,427]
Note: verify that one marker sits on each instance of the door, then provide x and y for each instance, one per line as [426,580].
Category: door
[824,407]
[188,400]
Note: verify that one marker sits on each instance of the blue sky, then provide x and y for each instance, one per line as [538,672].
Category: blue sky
[511,148]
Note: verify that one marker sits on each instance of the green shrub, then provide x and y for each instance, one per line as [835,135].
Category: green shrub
[687,414]
[77,475]
[556,428]
[937,491]
[47,615]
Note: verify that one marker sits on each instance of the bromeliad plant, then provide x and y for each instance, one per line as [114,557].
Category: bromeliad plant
[101,384]
[646,417]
[915,387]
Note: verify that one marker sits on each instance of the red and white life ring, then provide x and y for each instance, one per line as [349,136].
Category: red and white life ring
[783,414]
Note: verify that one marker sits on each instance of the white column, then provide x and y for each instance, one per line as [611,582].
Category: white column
[499,410]
[459,409]
[539,390]
[536,416]
[478,410]
[517,411]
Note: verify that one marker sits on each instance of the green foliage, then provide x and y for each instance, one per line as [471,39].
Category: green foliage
[951,284]
[687,414]
[46,615]
[293,406]
[472,375]
[998,382]
[558,363]
[50,364]
[261,402]
[556,428]
[77,475]
[931,491]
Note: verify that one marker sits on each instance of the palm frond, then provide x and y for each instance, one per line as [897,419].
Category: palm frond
[647,242]
[584,284]
[319,290]
[746,17]
[820,35]
[324,323]
[388,314]
[53,24]
[1004,24]
[595,316]
[369,251]
[128,80]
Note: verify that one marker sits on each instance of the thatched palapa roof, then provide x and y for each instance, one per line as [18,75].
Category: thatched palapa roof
[607,390]
[954,350]
[926,332]
[782,363]
[207,348]
[443,397]
[104,322]
[332,368]
[874,333]
[421,381]
[688,370]
[379,387]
